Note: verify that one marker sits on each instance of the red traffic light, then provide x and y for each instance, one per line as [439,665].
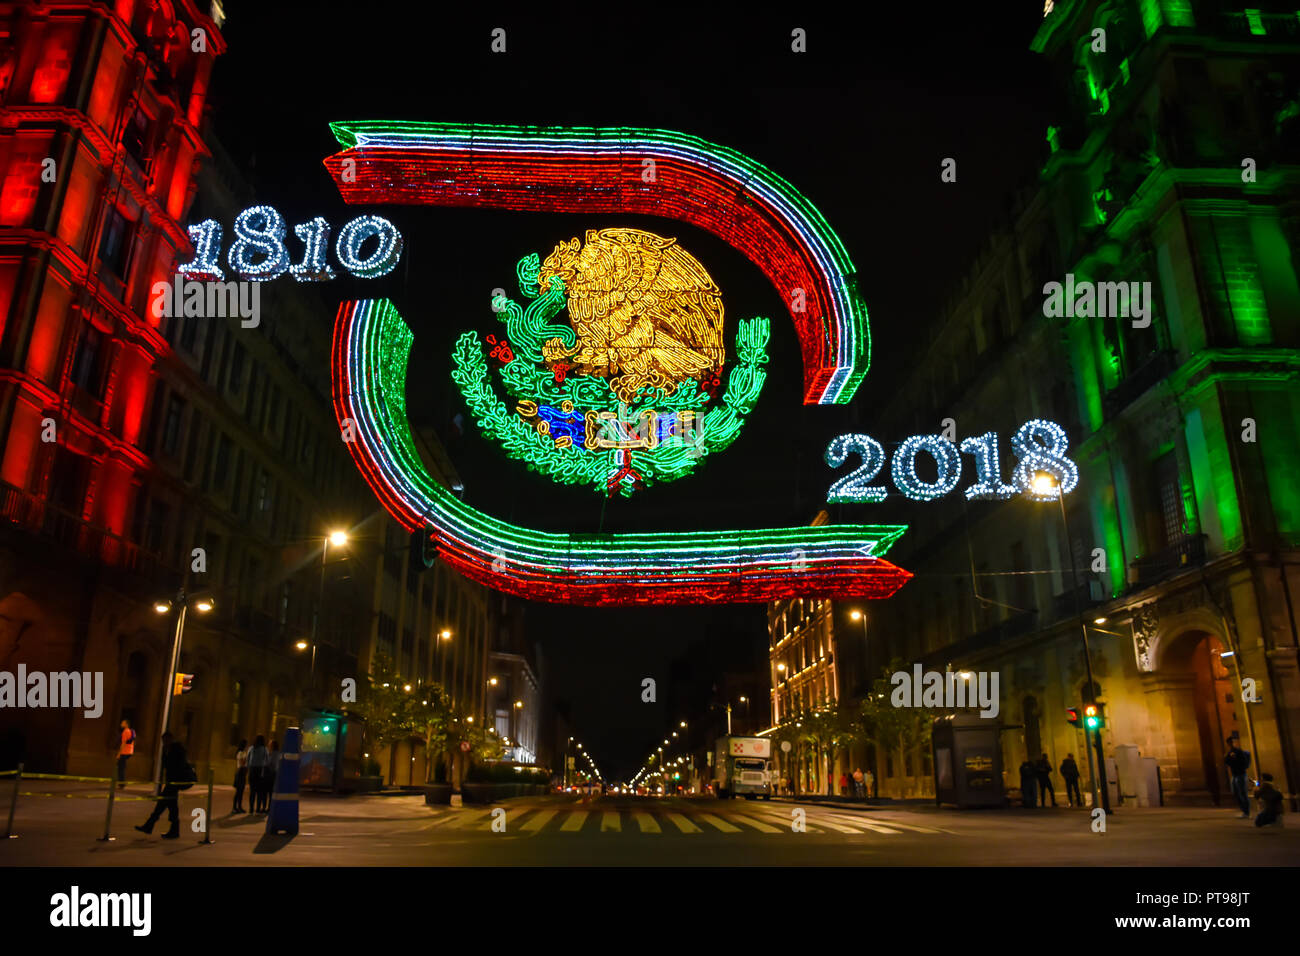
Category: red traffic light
[1072,716]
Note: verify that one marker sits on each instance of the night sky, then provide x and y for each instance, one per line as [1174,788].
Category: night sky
[859,123]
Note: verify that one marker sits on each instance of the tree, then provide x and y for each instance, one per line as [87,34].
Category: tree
[897,729]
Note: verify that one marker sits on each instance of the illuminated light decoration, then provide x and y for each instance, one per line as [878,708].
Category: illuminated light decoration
[903,467]
[370,352]
[1041,445]
[988,469]
[315,235]
[204,267]
[380,262]
[259,252]
[259,230]
[604,171]
[853,487]
[617,399]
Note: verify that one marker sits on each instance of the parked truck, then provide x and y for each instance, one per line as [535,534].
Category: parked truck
[740,766]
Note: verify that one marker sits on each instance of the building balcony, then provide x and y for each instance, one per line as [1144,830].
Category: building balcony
[1186,553]
[1075,600]
[1159,366]
[68,530]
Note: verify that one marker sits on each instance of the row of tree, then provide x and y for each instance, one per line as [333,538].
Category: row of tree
[396,710]
[831,726]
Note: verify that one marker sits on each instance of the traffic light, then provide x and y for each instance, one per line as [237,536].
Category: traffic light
[184,684]
[1072,716]
[1094,718]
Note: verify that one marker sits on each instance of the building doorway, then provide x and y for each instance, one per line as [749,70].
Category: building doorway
[1204,714]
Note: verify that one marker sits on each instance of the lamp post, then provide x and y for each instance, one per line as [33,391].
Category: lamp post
[179,604]
[338,539]
[1043,485]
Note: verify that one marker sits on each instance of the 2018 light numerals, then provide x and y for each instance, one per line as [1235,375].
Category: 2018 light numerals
[1042,471]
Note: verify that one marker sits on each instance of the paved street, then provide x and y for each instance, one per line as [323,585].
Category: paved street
[60,828]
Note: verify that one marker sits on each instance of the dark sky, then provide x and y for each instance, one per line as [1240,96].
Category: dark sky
[859,123]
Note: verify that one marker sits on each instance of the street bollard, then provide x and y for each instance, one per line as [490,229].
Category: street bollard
[207,817]
[13,805]
[108,812]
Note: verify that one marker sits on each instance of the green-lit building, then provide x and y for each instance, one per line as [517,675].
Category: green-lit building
[1178,166]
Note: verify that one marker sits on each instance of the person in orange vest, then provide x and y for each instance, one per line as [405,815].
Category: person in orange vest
[125,748]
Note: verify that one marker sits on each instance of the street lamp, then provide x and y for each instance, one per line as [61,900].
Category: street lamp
[338,538]
[180,603]
[1045,485]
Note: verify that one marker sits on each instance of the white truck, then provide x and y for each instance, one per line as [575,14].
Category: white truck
[740,766]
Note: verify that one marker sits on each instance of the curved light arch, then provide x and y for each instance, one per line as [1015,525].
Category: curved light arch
[641,171]
[371,348]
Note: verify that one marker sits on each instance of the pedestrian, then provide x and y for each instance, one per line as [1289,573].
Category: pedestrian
[1028,781]
[844,784]
[258,758]
[1044,772]
[177,776]
[1270,802]
[241,776]
[1238,761]
[857,783]
[125,748]
[1070,772]
[869,783]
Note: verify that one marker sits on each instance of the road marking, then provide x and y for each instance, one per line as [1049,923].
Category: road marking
[718,822]
[838,827]
[682,824]
[610,821]
[467,820]
[757,824]
[575,821]
[539,820]
[646,822]
[885,826]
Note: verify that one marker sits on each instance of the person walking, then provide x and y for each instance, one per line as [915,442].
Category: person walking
[241,776]
[258,758]
[125,749]
[1270,802]
[844,784]
[1043,768]
[857,783]
[177,776]
[1070,773]
[1028,783]
[869,783]
[1238,761]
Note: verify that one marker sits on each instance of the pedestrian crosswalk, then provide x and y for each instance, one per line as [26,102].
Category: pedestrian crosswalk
[661,821]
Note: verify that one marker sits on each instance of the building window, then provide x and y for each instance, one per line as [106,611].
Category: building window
[88,363]
[1169,497]
[115,248]
[221,463]
[237,368]
[171,436]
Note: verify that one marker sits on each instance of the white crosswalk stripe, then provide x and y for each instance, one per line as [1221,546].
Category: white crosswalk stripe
[574,821]
[536,820]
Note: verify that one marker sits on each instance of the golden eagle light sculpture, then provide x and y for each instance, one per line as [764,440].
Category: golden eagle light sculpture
[645,311]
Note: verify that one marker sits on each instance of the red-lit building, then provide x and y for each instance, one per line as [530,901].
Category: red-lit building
[99,149]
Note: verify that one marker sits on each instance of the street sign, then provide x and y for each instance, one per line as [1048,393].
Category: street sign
[785,746]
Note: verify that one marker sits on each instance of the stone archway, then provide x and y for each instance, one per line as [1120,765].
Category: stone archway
[1199,702]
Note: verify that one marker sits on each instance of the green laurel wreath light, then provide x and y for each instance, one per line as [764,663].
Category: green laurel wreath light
[528,328]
